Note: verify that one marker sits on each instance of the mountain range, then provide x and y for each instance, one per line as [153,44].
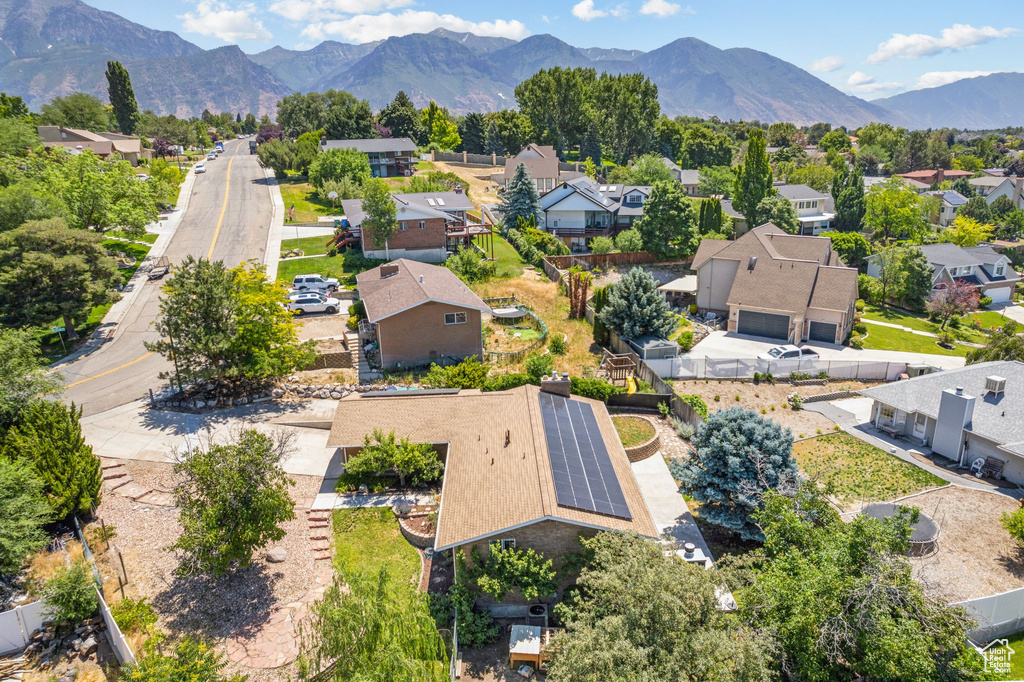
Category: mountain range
[54,47]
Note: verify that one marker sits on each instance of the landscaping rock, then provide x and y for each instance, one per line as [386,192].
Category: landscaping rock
[88,646]
[277,555]
[277,393]
[336,395]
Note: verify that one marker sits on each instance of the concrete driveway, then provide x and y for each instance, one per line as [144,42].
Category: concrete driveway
[1010,310]
[723,345]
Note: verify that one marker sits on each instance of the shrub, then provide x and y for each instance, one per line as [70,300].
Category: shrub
[601,245]
[24,510]
[513,568]
[984,301]
[946,339]
[696,402]
[70,593]
[131,615]
[505,382]
[470,373]
[346,188]
[860,328]
[557,345]
[387,455]
[470,266]
[795,401]
[856,341]
[335,164]
[664,409]
[869,289]
[1013,522]
[538,366]
[860,305]
[694,309]
[684,429]
[190,659]
[685,340]
[598,389]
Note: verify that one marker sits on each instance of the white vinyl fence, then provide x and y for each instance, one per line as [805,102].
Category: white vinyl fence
[745,368]
[17,626]
[114,635]
[998,615]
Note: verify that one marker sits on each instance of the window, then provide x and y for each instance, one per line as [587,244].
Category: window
[508,543]
[968,269]
[402,225]
[1000,269]
[423,224]
[455,318]
[953,271]
[888,413]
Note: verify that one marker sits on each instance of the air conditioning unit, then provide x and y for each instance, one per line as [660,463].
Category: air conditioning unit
[408,173]
[995,385]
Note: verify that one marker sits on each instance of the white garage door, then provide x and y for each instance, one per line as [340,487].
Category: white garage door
[1000,295]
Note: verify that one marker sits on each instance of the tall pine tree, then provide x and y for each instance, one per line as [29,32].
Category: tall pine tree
[122,98]
[521,200]
[471,130]
[848,193]
[591,147]
[636,308]
[492,139]
[753,178]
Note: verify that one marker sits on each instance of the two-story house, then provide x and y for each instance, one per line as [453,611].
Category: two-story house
[934,177]
[981,266]
[810,207]
[579,210]
[689,179]
[388,157]
[949,202]
[994,186]
[423,222]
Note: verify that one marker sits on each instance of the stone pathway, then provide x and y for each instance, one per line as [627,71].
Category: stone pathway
[117,479]
[328,501]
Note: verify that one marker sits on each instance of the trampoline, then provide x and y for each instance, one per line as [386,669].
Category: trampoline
[509,313]
[924,535]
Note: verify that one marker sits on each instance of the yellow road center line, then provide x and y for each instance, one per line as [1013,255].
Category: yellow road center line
[223,210]
[109,371]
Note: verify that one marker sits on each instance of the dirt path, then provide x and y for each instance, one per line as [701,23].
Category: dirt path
[481,189]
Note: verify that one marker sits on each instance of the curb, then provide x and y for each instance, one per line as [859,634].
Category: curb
[272,256]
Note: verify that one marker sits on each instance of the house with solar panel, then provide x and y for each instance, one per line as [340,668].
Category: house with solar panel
[980,266]
[532,467]
[424,221]
[949,201]
[578,210]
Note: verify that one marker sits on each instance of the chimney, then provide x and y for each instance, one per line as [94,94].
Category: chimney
[388,270]
[559,385]
[956,409]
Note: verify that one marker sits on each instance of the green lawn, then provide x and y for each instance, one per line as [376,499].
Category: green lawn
[295,190]
[139,251]
[633,431]
[328,266]
[1016,642]
[311,246]
[920,323]
[366,538]
[510,264]
[989,319]
[887,338]
[149,237]
[50,343]
[859,471]
[425,166]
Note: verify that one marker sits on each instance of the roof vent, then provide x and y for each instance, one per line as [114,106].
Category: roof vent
[421,279]
[995,385]
[751,263]
[959,390]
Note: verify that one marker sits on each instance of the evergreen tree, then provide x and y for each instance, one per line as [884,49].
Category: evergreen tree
[591,147]
[402,119]
[848,193]
[238,117]
[521,200]
[636,308]
[122,98]
[471,130]
[48,435]
[492,139]
[753,180]
[25,511]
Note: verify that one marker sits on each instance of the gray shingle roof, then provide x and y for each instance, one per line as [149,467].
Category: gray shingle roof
[798,192]
[948,255]
[388,144]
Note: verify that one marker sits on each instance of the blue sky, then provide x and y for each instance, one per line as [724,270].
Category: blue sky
[870,49]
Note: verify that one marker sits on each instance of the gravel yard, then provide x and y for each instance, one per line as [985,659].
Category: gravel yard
[763,396]
[230,606]
[976,556]
[320,326]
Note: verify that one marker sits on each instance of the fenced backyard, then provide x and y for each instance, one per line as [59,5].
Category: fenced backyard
[534,330]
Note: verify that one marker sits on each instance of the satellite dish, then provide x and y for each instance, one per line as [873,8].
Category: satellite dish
[332,195]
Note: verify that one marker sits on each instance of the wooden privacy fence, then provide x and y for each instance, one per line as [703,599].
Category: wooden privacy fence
[601,260]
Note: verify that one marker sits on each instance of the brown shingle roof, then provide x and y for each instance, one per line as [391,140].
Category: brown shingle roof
[489,487]
[413,284]
[835,289]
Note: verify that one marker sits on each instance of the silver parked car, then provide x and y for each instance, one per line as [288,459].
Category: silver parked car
[315,282]
[313,302]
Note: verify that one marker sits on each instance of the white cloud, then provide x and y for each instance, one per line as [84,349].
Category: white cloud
[827,64]
[957,37]
[364,28]
[213,18]
[863,84]
[299,10]
[586,11]
[663,8]
[934,79]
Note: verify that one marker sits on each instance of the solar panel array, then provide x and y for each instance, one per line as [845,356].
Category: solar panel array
[580,465]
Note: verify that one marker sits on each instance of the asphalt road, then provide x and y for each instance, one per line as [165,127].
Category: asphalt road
[228,218]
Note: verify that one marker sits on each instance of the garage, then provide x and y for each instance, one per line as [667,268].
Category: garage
[1000,295]
[763,324]
[822,331]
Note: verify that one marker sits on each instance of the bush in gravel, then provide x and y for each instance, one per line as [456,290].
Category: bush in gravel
[684,429]
[697,403]
[190,659]
[133,615]
[70,593]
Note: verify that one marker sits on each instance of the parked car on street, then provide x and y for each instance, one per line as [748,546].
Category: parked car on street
[788,352]
[211,156]
[313,302]
[314,282]
[200,167]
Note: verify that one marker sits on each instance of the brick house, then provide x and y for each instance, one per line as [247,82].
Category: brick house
[423,219]
[501,481]
[421,314]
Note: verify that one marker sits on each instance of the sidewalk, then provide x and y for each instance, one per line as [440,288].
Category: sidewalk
[900,327]
[274,235]
[668,508]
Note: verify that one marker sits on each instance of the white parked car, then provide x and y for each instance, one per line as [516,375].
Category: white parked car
[313,302]
[788,352]
[315,283]
[200,167]
[211,156]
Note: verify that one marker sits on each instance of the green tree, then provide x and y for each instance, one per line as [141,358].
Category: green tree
[1003,344]
[781,134]
[648,169]
[232,500]
[48,436]
[557,102]
[669,219]
[740,457]
[716,181]
[442,131]
[189,659]
[49,272]
[779,211]
[17,137]
[848,195]
[753,180]
[629,241]
[12,106]
[122,98]
[279,156]
[911,153]
[77,110]
[341,115]
[379,210]
[629,111]
[842,601]
[636,308]
[470,266]
[401,117]
[250,125]
[338,164]
[590,147]
[894,211]
[23,376]
[967,232]
[492,139]
[701,146]
[817,176]
[508,569]
[817,131]
[513,129]
[835,140]
[307,147]
[471,132]
[852,247]
[641,615]
[976,208]
[70,593]
[964,187]
[601,245]
[25,511]
[520,200]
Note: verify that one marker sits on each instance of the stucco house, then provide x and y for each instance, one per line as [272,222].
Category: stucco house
[772,284]
[964,414]
[388,157]
[421,314]
[992,187]
[578,210]
[517,465]
[810,207]
[423,221]
[981,266]
[127,147]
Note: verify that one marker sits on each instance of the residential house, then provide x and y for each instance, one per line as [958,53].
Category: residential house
[423,223]
[773,284]
[809,205]
[949,202]
[934,177]
[579,210]
[981,266]
[964,415]
[532,467]
[919,187]
[388,157]
[421,314]
[739,221]
[994,186]
[689,179]
[127,147]
[541,163]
